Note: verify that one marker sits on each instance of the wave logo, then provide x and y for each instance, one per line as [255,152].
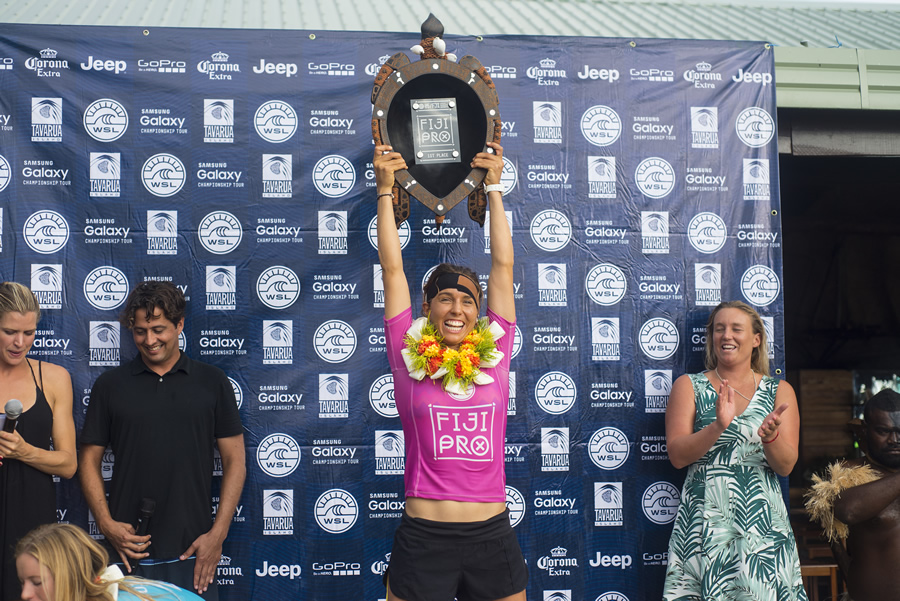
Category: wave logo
[509,177]
[278,287]
[707,284]
[46,232]
[760,285]
[707,232]
[551,230]
[403,231]
[278,342]
[46,283]
[601,177]
[704,127]
[608,509]
[755,127]
[756,179]
[334,176]
[162,232]
[660,502]
[547,118]
[558,595]
[655,177]
[275,121]
[105,172]
[518,342]
[278,455]
[336,511]
[105,287]
[163,174]
[46,119]
[105,120]
[277,175]
[5,173]
[612,596]
[657,386]
[221,288]
[605,339]
[555,392]
[601,125]
[658,338]
[220,232]
[238,392]
[515,502]
[381,396]
[609,448]
[654,232]
[334,341]
[552,288]
[390,452]
[103,341]
[605,284]
[332,232]
[218,120]
[554,449]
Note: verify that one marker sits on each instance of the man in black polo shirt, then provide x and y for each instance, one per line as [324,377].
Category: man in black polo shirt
[162,414]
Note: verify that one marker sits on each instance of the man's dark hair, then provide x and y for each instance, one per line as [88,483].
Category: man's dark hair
[150,296]
[887,400]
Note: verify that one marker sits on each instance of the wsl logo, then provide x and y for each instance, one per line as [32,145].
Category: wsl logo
[601,177]
[707,232]
[660,502]
[390,453]
[609,448]
[756,179]
[552,285]
[547,122]
[218,121]
[654,232]
[5,173]
[707,284]
[105,120]
[105,287]
[46,232]
[605,339]
[381,396]
[218,69]
[221,288]
[46,119]
[220,232]
[515,502]
[278,287]
[658,338]
[551,230]
[601,125]
[334,396]
[336,511]
[278,512]
[613,595]
[332,232]
[755,127]
[608,504]
[555,392]
[760,285]
[334,176]
[104,344]
[377,286]
[277,175]
[554,449]
[487,228]
[655,177]
[278,342]
[605,284]
[509,177]
[278,455]
[105,172]
[163,175]
[511,405]
[46,283]
[403,231]
[236,388]
[162,232]
[704,127]
[275,121]
[657,386]
[334,341]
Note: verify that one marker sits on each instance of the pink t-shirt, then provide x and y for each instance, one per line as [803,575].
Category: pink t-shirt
[455,446]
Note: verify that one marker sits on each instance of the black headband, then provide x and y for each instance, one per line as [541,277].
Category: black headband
[451,280]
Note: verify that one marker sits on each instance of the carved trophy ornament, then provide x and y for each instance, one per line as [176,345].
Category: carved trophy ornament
[438,114]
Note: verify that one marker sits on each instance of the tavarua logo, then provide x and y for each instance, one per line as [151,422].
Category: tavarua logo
[46,119]
[601,125]
[218,68]
[755,127]
[760,285]
[5,173]
[105,172]
[601,177]
[163,175]
[390,452]
[46,64]
[106,287]
[707,284]
[105,120]
[605,339]
[278,455]
[220,232]
[551,230]
[657,386]
[487,227]
[277,175]
[336,511]
[332,232]
[403,231]
[558,595]
[608,504]
[218,120]
[704,127]
[654,232]
[381,396]
[511,405]
[555,392]
[278,342]
[46,232]
[660,502]
[658,338]
[275,121]
[547,119]
[552,288]
[756,179]
[377,284]
[334,396]
[103,340]
[278,512]
[334,341]
[707,232]
[609,448]
[221,288]
[162,232]
[47,285]
[655,177]
[515,502]
[334,176]
[605,284]
[278,287]
[555,449]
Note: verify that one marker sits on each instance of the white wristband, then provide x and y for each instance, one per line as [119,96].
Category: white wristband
[493,188]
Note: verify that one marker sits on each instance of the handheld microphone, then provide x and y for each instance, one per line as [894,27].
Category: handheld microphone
[148,506]
[13,409]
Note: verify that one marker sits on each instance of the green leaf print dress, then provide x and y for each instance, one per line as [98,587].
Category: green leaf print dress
[732,539]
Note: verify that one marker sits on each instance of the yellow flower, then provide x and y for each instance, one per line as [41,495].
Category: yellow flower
[474,337]
[450,355]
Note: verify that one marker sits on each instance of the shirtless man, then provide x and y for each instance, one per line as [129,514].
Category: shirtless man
[872,510]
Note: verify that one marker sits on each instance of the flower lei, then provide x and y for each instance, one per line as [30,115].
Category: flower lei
[426,355]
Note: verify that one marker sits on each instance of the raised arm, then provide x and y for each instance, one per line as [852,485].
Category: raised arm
[396,288]
[501,299]
[684,445]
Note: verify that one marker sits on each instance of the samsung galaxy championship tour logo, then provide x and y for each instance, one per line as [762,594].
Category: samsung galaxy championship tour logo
[218,120]
[46,283]
[278,287]
[162,232]
[105,172]
[555,449]
[163,174]
[46,232]
[547,117]
[275,121]
[605,339]
[220,232]
[601,125]
[278,455]
[218,68]
[278,342]
[277,175]
[46,119]
[105,120]
[221,288]
[103,338]
[707,232]
[658,338]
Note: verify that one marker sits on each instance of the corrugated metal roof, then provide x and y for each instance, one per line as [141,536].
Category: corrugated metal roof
[872,26]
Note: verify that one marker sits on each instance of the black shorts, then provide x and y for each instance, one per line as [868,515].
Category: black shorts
[472,561]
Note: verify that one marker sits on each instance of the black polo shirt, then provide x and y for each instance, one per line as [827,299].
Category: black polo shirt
[162,430]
